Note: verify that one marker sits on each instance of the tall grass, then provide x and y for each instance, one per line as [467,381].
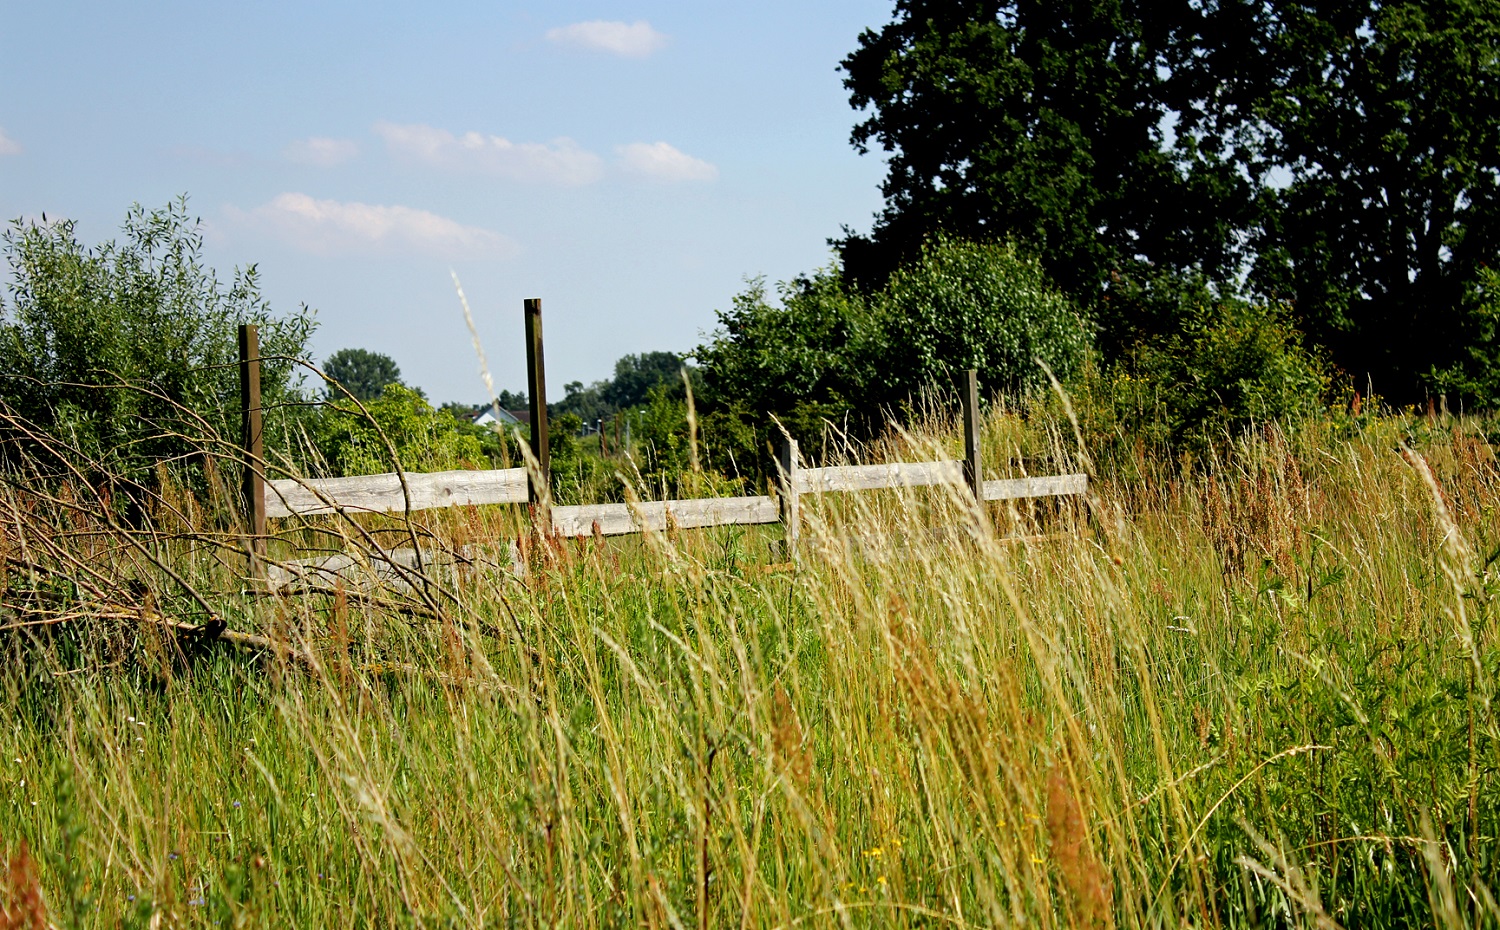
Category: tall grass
[1253,692]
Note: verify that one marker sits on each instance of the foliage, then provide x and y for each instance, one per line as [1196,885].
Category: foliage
[1346,156]
[586,404]
[1385,116]
[1258,695]
[361,372]
[801,361]
[1475,375]
[829,354]
[509,400]
[577,475]
[662,442]
[130,347]
[649,394]
[1233,364]
[424,439]
[501,446]
[969,305]
[1043,123]
[636,375]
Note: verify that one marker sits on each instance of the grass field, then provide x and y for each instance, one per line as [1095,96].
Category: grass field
[1258,691]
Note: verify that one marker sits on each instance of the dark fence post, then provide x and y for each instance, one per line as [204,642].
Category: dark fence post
[252,442]
[791,507]
[536,386]
[973,473]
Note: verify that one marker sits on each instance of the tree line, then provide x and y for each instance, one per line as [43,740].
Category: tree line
[1341,159]
[1198,215]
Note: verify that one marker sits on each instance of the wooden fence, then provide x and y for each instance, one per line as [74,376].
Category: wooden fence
[411,491]
[385,493]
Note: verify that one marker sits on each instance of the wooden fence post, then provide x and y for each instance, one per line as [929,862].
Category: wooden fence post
[252,442]
[791,507]
[973,470]
[536,385]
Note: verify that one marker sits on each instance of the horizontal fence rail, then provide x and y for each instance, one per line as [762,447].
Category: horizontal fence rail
[1010,489]
[617,519]
[875,477]
[288,497]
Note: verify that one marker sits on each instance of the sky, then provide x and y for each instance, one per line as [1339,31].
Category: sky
[628,163]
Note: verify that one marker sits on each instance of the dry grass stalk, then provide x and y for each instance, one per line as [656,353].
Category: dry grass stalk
[21,905]
[1084,876]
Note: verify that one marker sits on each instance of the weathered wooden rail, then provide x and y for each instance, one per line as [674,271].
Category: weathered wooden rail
[386,493]
[288,497]
[413,491]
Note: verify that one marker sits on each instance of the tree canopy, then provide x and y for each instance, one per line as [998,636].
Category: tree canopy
[128,349]
[363,373]
[1340,157]
[635,378]
[1043,122]
[831,353]
[1386,118]
[636,375]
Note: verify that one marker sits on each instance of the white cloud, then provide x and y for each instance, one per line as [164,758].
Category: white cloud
[628,40]
[561,161]
[9,146]
[662,162]
[320,151]
[329,226]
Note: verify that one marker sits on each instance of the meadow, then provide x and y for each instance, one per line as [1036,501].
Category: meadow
[1254,689]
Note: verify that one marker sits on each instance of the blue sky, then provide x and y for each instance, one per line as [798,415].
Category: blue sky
[629,164]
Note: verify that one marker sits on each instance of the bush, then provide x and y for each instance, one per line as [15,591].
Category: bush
[424,439]
[1232,363]
[806,351]
[121,347]
[578,476]
[972,305]
[1474,380]
[829,354]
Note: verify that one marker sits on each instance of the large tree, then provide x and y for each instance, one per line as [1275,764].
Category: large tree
[1044,122]
[636,375]
[363,373]
[1342,157]
[1385,124]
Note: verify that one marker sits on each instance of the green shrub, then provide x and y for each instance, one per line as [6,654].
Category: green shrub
[831,355]
[578,475]
[971,305]
[129,349]
[808,350]
[1474,380]
[802,362]
[1232,363]
[424,439]
[661,440]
